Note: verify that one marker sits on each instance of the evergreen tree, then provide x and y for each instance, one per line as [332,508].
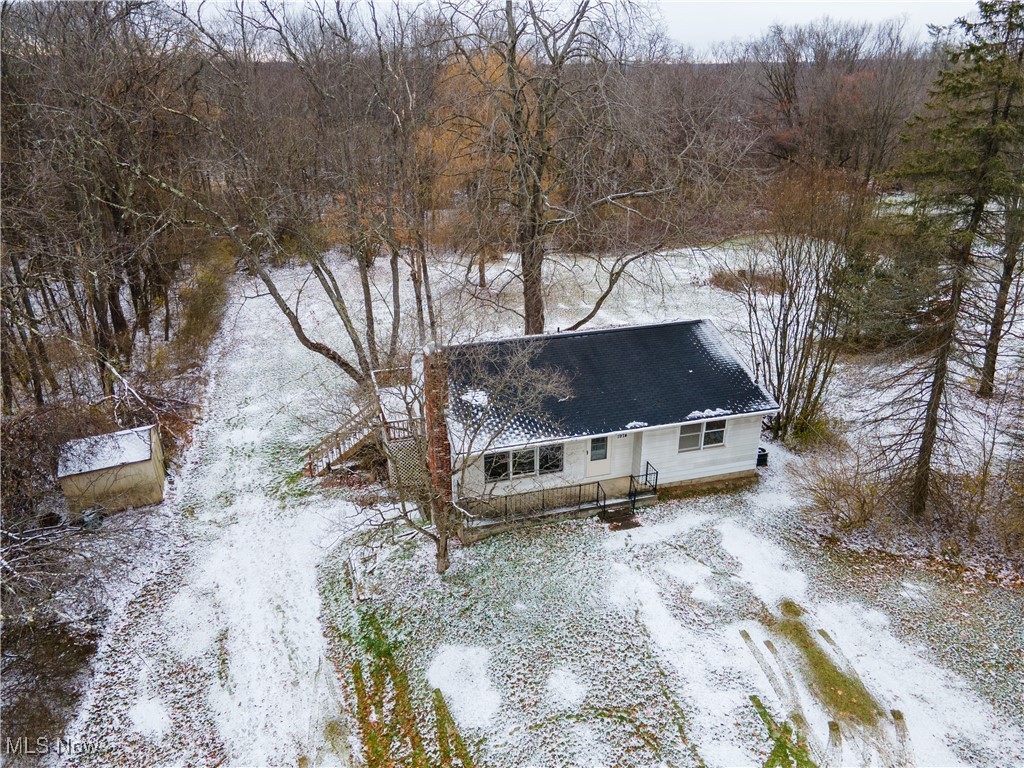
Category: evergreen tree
[967,156]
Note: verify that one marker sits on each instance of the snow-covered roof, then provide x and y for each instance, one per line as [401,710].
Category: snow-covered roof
[105,451]
[621,379]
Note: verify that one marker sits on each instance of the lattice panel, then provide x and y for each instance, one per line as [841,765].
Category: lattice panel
[405,462]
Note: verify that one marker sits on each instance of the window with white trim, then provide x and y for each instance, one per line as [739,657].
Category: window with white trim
[714,433]
[550,459]
[689,437]
[523,462]
[496,466]
[598,448]
[706,434]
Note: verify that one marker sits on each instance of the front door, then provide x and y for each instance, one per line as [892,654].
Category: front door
[638,452]
[599,457]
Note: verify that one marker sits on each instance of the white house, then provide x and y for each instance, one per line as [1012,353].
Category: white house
[648,407]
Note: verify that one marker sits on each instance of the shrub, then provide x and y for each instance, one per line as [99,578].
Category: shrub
[848,493]
[203,302]
[818,431]
[737,281]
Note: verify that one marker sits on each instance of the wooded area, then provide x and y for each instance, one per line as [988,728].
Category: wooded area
[873,182]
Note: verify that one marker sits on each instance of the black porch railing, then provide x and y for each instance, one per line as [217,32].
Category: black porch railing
[532,502]
[642,485]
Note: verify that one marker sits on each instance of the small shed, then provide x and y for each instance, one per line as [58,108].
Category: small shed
[113,471]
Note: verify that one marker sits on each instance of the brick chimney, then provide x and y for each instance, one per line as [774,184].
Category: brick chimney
[435,401]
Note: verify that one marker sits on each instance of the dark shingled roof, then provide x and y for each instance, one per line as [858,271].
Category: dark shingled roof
[621,379]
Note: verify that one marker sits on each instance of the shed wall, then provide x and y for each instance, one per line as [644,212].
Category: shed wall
[129,485]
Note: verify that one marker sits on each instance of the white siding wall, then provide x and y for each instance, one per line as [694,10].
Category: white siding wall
[574,470]
[620,450]
[573,463]
[660,448]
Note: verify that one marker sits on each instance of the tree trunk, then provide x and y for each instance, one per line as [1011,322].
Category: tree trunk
[34,346]
[417,290]
[118,321]
[933,411]
[33,366]
[532,257]
[363,260]
[442,558]
[396,306]
[7,400]
[1013,239]
[428,296]
[533,287]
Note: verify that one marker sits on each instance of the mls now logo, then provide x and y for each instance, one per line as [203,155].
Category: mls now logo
[46,746]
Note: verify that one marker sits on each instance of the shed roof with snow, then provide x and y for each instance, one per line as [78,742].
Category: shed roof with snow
[105,451]
[621,379]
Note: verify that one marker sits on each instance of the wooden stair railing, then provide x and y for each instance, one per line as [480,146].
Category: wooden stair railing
[343,442]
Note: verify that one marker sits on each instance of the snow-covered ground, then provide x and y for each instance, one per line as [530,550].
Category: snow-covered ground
[573,645]
[214,653]
[569,645]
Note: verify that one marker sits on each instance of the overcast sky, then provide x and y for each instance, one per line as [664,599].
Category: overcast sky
[702,23]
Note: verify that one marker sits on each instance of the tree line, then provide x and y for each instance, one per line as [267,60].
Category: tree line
[137,134]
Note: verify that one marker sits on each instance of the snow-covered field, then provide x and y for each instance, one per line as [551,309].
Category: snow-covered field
[569,645]
[575,645]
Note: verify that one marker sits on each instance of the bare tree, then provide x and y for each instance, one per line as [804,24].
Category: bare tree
[485,393]
[838,93]
[796,281]
[554,78]
[91,92]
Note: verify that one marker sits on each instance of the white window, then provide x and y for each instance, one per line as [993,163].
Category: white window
[496,466]
[707,434]
[545,460]
[598,449]
[714,433]
[689,437]
[549,459]
[524,462]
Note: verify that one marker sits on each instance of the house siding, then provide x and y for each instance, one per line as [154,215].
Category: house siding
[471,480]
[660,447]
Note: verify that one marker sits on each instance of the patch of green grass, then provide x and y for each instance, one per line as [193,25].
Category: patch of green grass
[788,749]
[844,696]
[222,657]
[334,734]
[450,743]
[293,485]
[790,609]
[392,731]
